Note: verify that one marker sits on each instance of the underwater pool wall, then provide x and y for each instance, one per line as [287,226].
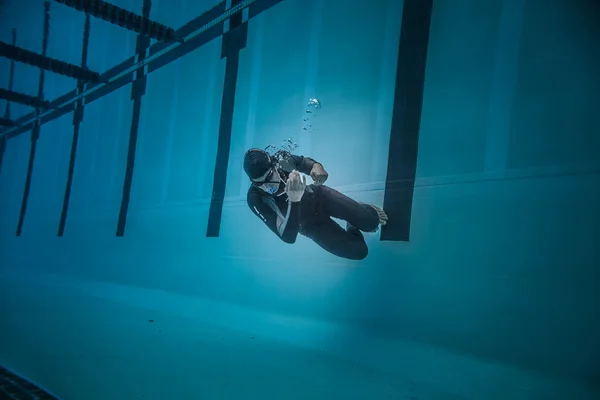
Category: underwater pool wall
[485,286]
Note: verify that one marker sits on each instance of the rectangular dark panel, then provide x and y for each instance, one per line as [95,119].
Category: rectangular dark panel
[3,141]
[406,118]
[77,119]
[138,90]
[35,133]
[6,121]
[11,75]
[233,42]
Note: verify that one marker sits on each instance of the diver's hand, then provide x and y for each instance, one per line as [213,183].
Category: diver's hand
[294,187]
[318,174]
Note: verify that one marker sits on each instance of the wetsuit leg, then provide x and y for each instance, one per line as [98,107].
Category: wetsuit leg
[338,241]
[338,205]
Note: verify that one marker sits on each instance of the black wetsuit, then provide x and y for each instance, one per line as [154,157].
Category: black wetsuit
[311,216]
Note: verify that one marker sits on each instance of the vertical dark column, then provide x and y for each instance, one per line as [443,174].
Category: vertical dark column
[11,75]
[233,42]
[35,133]
[138,90]
[77,119]
[11,79]
[406,118]
[3,141]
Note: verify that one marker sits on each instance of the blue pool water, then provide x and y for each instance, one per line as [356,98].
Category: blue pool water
[131,266]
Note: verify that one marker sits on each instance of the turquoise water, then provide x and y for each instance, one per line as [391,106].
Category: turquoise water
[154,280]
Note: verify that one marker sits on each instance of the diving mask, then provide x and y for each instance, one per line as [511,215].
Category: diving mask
[270,182]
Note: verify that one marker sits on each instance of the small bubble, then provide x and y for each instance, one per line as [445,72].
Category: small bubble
[270,149]
[312,102]
[308,111]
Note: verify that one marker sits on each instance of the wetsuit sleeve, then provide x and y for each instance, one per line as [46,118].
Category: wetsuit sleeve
[283,225]
[299,163]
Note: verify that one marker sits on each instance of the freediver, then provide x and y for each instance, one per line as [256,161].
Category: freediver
[288,206]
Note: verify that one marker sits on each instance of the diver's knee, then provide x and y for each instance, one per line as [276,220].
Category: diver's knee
[360,252]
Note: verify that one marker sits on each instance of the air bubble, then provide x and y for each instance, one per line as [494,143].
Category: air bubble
[289,145]
[314,103]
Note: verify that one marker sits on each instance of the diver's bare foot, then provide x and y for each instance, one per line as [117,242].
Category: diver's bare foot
[383,218]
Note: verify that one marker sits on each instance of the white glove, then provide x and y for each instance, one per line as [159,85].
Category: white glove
[294,187]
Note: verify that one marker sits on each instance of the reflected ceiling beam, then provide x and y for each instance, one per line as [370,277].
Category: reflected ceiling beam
[125,19]
[46,63]
[197,33]
[24,99]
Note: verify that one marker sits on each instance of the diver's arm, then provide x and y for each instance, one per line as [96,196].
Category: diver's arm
[288,225]
[301,164]
[285,226]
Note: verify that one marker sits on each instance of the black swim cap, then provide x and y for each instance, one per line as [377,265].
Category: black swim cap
[256,163]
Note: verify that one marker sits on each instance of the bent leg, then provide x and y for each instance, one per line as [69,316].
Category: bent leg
[343,243]
[338,205]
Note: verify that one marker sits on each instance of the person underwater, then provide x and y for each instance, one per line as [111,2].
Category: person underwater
[280,197]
